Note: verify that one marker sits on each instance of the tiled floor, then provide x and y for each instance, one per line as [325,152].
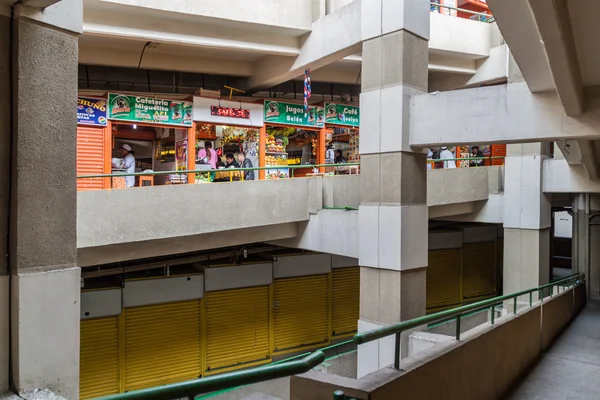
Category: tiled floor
[571,368]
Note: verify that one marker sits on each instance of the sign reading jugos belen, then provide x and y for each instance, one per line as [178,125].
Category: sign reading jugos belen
[342,114]
[146,109]
[293,114]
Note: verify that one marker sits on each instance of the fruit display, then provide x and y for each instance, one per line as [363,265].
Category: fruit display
[275,160]
[275,145]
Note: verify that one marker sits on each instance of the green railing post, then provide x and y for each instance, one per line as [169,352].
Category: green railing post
[530,299]
[458,327]
[493,311]
[515,306]
[397,352]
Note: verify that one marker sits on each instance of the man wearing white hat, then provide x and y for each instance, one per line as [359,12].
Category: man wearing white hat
[446,154]
[128,163]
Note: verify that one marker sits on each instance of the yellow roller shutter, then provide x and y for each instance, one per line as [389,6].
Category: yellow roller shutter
[443,279]
[301,314]
[237,328]
[162,344]
[99,357]
[346,300]
[478,269]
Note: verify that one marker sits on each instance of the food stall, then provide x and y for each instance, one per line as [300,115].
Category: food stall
[231,127]
[93,143]
[158,131]
[342,122]
[292,136]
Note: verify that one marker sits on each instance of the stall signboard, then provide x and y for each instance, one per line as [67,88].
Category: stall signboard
[150,110]
[278,112]
[342,114]
[91,111]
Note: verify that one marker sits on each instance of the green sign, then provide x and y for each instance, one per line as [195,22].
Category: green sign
[342,114]
[147,109]
[278,112]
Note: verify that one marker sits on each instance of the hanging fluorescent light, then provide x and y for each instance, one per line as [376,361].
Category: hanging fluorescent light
[134,126]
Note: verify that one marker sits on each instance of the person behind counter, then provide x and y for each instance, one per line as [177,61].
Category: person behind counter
[230,161]
[127,163]
[339,158]
[209,153]
[246,163]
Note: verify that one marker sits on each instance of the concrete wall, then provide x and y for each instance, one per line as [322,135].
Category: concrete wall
[153,217]
[458,35]
[483,365]
[341,191]
[460,185]
[4,135]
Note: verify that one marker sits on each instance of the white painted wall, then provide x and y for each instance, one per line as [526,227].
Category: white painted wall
[239,276]
[461,36]
[163,290]
[101,303]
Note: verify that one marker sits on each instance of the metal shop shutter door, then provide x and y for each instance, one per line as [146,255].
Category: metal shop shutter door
[443,279]
[478,269]
[90,157]
[301,314]
[237,328]
[162,344]
[99,357]
[346,300]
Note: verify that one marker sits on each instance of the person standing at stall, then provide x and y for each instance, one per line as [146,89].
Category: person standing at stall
[208,153]
[246,163]
[128,164]
[449,157]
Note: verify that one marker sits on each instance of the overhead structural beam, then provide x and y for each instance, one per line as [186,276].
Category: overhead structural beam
[39,3]
[583,153]
[554,25]
[518,26]
[502,114]
[323,46]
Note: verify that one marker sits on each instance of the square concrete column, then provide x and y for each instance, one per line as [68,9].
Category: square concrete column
[43,280]
[527,219]
[393,216]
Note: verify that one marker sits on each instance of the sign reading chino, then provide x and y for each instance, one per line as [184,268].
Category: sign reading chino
[342,114]
[146,109]
[91,111]
[293,114]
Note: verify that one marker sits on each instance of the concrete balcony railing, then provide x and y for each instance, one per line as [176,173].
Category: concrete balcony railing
[128,224]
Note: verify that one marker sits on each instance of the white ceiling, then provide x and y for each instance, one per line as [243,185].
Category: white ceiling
[167,48]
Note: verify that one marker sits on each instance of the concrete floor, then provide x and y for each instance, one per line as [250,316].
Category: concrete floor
[571,368]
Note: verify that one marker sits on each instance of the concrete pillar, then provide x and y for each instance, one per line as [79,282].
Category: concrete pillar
[43,279]
[527,219]
[393,214]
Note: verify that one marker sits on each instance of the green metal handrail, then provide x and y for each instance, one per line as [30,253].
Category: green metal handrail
[397,329]
[196,387]
[204,171]
[212,383]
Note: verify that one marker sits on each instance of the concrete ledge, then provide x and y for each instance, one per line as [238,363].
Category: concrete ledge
[487,361]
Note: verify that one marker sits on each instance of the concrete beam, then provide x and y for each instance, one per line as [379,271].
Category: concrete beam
[40,3]
[554,25]
[581,152]
[560,177]
[519,29]
[323,46]
[497,114]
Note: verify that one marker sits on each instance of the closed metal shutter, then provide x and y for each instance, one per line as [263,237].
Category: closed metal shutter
[443,279]
[478,269]
[301,312]
[99,357]
[162,344]
[237,328]
[346,300]
[90,157]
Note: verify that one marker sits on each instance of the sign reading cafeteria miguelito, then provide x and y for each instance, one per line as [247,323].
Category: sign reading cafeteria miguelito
[278,112]
[342,114]
[147,109]
[91,111]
